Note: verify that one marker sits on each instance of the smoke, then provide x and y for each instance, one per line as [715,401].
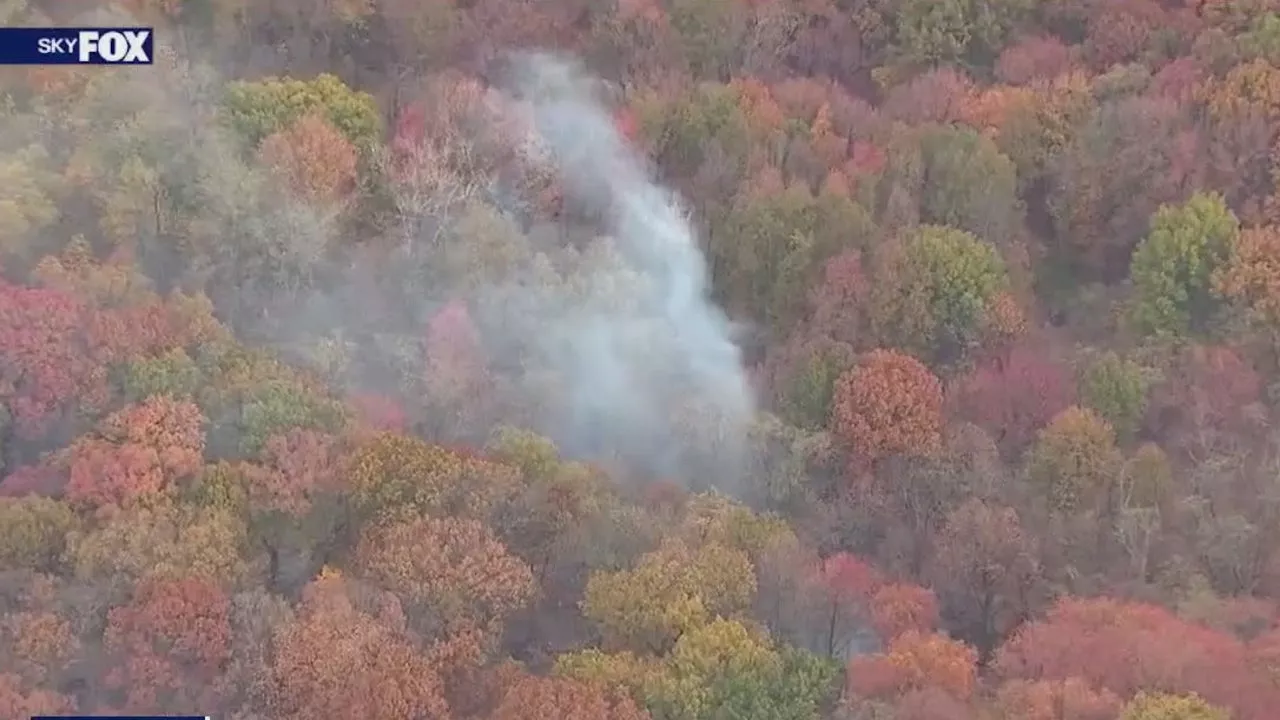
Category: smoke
[644,360]
[615,353]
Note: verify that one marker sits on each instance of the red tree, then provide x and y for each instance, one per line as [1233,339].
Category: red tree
[1126,647]
[43,362]
[916,661]
[1033,58]
[138,451]
[1211,396]
[380,412]
[840,589]
[455,373]
[1013,397]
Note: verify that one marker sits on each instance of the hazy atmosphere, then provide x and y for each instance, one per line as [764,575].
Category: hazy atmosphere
[644,360]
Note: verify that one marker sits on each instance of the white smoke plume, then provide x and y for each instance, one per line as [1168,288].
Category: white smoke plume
[643,357]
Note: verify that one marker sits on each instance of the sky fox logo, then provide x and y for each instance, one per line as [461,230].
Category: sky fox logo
[126,47]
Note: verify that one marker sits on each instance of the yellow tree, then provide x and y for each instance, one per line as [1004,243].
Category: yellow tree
[395,474]
[1163,706]
[1250,279]
[670,591]
[1074,460]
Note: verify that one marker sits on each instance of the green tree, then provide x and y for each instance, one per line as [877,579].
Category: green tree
[26,205]
[615,670]
[934,32]
[1116,388]
[772,247]
[280,405]
[1173,267]
[725,670]
[935,289]
[806,393]
[711,32]
[33,532]
[256,109]
[1163,706]
[684,129]
[174,374]
[971,184]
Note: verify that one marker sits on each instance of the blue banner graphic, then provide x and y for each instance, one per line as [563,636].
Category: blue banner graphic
[77,46]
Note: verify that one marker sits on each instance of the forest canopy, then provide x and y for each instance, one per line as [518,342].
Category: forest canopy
[644,360]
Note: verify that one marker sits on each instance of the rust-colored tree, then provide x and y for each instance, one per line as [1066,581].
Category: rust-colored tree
[889,404]
[898,608]
[170,645]
[1250,279]
[916,661]
[314,159]
[17,701]
[454,573]
[336,659]
[40,647]
[1069,699]
[538,698]
[298,468]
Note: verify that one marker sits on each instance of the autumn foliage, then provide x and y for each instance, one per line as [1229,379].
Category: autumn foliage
[171,643]
[889,404]
[141,451]
[316,161]
[336,658]
[1124,647]
[297,328]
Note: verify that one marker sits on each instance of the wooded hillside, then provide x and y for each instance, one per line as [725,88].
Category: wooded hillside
[285,434]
